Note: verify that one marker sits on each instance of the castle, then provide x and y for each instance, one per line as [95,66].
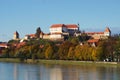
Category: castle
[100,35]
[63,31]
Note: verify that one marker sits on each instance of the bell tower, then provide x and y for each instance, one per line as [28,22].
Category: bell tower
[16,35]
[107,32]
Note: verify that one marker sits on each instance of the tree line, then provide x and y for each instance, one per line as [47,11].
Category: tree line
[65,50]
[70,49]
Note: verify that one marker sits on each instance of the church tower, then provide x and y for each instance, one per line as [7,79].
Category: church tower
[107,32]
[16,35]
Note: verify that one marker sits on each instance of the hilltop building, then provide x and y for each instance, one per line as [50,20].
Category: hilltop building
[100,35]
[42,35]
[16,36]
[95,37]
[62,31]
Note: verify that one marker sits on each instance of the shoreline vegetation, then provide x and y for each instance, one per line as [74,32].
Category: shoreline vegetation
[73,48]
[59,62]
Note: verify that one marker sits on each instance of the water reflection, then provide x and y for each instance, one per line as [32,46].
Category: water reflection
[13,71]
[56,74]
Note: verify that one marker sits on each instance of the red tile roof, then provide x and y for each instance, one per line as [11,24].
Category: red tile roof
[21,44]
[31,35]
[57,25]
[94,33]
[71,26]
[3,45]
[93,40]
[63,25]
[107,29]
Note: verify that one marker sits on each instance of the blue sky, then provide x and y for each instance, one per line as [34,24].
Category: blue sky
[26,15]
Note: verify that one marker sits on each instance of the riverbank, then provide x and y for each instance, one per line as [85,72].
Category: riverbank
[62,62]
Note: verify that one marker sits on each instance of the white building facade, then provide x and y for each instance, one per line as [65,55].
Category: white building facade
[59,31]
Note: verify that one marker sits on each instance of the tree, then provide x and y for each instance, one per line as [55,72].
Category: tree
[63,49]
[100,53]
[71,53]
[94,55]
[75,40]
[5,53]
[78,51]
[83,37]
[49,52]
[38,31]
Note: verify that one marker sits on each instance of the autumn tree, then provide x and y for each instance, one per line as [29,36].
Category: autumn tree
[75,40]
[94,55]
[63,49]
[78,51]
[49,52]
[5,53]
[71,53]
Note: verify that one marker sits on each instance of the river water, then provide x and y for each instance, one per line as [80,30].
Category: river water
[19,71]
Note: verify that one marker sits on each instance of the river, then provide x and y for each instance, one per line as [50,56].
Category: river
[20,71]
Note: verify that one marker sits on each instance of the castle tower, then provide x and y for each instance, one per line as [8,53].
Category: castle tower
[107,32]
[16,35]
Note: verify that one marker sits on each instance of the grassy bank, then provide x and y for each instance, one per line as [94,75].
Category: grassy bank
[66,62]
[14,60]
[62,62]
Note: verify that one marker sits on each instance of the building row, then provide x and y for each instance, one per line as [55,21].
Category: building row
[63,31]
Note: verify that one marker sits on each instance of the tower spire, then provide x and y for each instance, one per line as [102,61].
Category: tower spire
[16,35]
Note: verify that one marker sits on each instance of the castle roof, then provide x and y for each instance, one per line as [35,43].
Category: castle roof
[71,26]
[91,33]
[31,35]
[57,25]
[63,25]
[93,40]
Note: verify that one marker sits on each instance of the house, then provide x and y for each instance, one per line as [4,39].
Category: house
[61,31]
[100,35]
[72,28]
[93,42]
[57,31]
[42,35]
[2,47]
